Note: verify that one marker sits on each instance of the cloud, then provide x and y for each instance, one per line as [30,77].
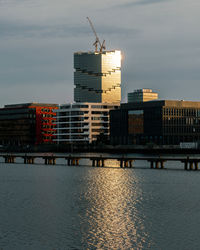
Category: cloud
[20,29]
[147,2]
[23,30]
[138,3]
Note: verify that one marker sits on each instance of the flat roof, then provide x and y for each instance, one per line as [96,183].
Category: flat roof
[95,52]
[22,105]
[160,103]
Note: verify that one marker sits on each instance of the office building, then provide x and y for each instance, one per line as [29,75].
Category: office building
[160,122]
[83,122]
[97,77]
[142,95]
[27,123]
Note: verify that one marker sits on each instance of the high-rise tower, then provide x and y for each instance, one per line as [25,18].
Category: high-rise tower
[97,76]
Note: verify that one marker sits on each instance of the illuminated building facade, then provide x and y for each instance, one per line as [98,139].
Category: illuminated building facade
[82,122]
[142,95]
[27,123]
[97,76]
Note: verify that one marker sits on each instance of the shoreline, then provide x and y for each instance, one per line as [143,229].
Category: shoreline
[119,149]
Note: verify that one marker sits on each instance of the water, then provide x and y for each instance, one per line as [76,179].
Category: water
[62,207]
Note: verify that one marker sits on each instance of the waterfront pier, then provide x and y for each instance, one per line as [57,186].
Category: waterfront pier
[155,162]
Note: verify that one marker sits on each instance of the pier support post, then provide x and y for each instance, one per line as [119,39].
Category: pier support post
[186,165]
[151,164]
[161,164]
[98,162]
[157,164]
[125,163]
[73,162]
[191,165]
[93,163]
[196,165]
[130,163]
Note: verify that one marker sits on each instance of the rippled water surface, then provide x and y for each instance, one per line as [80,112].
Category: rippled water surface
[62,207]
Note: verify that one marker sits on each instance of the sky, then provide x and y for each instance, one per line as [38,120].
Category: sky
[159,39]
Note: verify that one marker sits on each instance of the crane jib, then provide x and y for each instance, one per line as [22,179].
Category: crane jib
[97,42]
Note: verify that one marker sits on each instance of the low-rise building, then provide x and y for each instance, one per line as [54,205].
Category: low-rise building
[160,122]
[27,123]
[83,122]
[142,95]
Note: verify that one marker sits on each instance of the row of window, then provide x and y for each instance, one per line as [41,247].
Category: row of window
[48,115]
[181,121]
[181,112]
[48,120]
[100,130]
[74,119]
[49,132]
[46,110]
[71,113]
[81,130]
[74,106]
[100,113]
[48,126]
[74,137]
[100,124]
[104,107]
[181,130]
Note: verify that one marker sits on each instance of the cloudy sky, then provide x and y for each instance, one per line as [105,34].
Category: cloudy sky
[160,41]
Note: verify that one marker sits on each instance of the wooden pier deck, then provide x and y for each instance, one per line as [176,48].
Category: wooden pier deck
[155,162]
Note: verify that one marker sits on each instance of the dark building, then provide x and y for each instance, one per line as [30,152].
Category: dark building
[29,123]
[160,122]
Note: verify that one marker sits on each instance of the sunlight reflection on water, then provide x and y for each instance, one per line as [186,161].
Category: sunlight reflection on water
[113,215]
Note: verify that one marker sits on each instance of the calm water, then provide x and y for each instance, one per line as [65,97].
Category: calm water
[62,207]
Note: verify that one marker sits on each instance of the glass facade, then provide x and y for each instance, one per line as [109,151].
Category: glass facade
[97,77]
[160,122]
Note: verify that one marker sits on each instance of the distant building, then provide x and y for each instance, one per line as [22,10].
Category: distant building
[142,95]
[159,122]
[97,76]
[27,123]
[83,122]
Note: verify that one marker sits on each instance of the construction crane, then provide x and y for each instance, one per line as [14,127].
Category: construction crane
[97,42]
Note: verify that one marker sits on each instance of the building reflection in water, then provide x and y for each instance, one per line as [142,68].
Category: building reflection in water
[114,218]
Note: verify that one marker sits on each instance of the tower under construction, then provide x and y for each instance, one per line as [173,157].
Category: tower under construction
[97,76]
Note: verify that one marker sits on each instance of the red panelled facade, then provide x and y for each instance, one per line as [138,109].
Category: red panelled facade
[45,125]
